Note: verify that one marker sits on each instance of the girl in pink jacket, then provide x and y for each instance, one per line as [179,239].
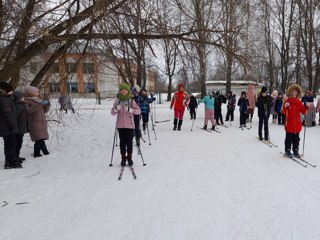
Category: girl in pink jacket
[125,107]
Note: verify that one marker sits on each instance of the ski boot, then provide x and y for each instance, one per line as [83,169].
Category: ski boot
[123,160]
[288,154]
[129,158]
[205,127]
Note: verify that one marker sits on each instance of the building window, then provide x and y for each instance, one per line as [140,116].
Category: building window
[71,68]
[88,68]
[72,87]
[54,87]
[89,87]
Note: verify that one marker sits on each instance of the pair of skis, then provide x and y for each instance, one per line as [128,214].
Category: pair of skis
[131,170]
[268,143]
[301,161]
[209,130]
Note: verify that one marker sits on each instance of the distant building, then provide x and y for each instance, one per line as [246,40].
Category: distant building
[236,86]
[82,74]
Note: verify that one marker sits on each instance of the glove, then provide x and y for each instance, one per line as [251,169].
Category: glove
[118,107]
[286,105]
[44,102]
[131,110]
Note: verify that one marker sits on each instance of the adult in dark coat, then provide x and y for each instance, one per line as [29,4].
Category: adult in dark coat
[264,104]
[37,123]
[8,126]
[22,121]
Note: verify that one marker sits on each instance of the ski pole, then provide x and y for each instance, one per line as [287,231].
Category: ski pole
[154,130]
[114,140]
[148,133]
[116,137]
[193,120]
[304,137]
[144,164]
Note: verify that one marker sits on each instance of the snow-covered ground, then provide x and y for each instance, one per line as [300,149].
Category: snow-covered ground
[196,185]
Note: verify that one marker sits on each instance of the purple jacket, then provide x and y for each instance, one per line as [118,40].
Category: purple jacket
[125,117]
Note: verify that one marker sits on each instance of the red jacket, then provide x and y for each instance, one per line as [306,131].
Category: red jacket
[293,120]
[179,100]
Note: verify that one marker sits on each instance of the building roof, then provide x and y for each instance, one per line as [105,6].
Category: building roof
[240,82]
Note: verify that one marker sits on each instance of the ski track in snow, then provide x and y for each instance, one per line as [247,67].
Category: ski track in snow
[196,185]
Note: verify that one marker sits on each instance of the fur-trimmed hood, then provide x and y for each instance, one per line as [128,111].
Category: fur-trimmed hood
[294,86]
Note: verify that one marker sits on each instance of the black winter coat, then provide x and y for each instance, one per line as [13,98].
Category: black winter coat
[264,105]
[8,119]
[22,118]
[193,102]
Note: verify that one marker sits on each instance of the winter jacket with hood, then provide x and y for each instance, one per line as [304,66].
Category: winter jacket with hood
[180,99]
[293,110]
[128,108]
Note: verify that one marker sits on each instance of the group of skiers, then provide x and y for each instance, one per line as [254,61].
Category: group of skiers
[20,113]
[286,111]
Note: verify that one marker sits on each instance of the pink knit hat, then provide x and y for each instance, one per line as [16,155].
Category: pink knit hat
[30,91]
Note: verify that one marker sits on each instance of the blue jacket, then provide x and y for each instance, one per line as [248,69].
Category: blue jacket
[243,104]
[208,102]
[144,102]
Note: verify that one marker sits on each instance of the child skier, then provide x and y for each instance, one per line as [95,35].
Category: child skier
[264,104]
[192,106]
[125,107]
[310,119]
[209,110]
[243,104]
[179,101]
[219,100]
[252,98]
[274,114]
[318,109]
[144,104]
[292,108]
[135,91]
[231,105]
[278,107]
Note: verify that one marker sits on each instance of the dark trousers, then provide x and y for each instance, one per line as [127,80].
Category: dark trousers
[281,118]
[243,118]
[126,137]
[19,140]
[263,121]
[192,113]
[145,120]
[137,130]
[292,139]
[10,143]
[218,116]
[230,113]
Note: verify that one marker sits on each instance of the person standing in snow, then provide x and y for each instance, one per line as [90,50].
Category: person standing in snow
[179,102]
[274,113]
[37,122]
[144,104]
[125,108]
[68,104]
[231,105]
[318,109]
[22,121]
[310,119]
[264,105]
[208,101]
[278,107]
[252,98]
[292,108]
[219,100]
[192,106]
[135,91]
[8,126]
[243,104]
